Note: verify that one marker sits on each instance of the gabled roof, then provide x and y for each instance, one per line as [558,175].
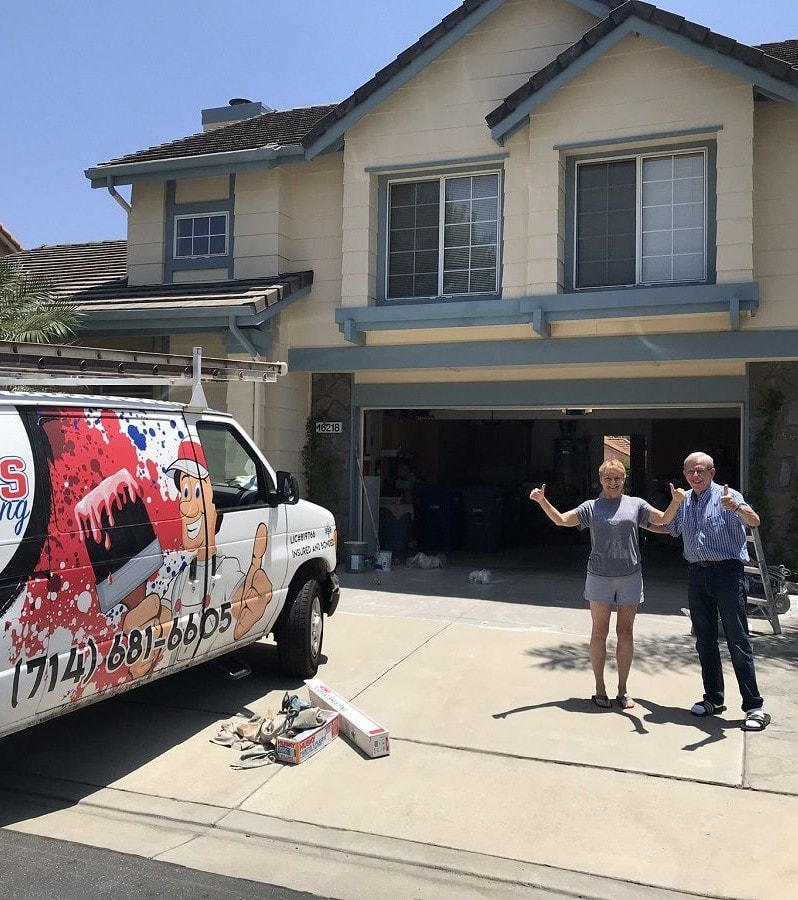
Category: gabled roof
[95,276]
[304,133]
[773,77]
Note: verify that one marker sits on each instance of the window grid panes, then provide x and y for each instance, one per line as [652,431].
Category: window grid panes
[428,256]
[201,236]
[673,216]
[641,221]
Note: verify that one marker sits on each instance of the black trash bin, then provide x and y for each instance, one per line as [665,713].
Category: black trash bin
[439,515]
[482,515]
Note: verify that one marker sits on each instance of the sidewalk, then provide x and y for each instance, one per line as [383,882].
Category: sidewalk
[503,780]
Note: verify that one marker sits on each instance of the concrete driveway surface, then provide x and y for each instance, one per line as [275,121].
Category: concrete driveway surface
[503,779]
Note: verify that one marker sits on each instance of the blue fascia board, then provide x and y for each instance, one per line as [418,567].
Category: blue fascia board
[339,128]
[743,345]
[355,321]
[635,25]
[597,393]
[194,166]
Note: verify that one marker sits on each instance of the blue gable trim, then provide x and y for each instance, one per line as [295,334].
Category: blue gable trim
[515,119]
[541,310]
[574,393]
[745,345]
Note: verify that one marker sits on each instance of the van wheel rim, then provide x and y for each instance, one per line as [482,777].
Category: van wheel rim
[316,626]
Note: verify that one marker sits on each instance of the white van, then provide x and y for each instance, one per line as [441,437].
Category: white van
[138,538]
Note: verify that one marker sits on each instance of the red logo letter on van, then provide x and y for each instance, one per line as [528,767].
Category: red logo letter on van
[13,480]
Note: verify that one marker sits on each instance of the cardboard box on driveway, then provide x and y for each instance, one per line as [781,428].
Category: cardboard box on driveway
[294,750]
[363,732]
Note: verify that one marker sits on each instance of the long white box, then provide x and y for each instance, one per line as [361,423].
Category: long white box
[353,724]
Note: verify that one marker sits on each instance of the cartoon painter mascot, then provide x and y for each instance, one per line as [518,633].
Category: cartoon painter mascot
[247,593]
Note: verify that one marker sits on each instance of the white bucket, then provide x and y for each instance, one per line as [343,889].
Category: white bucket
[382,560]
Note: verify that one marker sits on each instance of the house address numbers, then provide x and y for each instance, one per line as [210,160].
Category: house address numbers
[329,427]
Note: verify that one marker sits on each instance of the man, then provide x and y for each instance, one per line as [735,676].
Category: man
[712,521]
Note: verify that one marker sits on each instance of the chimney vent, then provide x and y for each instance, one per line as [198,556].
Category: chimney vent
[237,109]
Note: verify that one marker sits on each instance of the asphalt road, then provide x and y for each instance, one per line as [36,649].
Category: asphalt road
[32,868]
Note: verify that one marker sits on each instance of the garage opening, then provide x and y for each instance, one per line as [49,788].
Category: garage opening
[457,481]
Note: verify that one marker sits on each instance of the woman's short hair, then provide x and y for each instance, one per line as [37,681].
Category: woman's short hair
[612,465]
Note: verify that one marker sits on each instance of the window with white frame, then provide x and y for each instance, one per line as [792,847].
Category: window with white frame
[443,236]
[201,236]
[641,220]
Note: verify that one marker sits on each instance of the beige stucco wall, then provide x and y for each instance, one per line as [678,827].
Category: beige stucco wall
[637,89]
[145,233]
[263,224]
[317,198]
[776,214]
[440,114]
[570,372]
[200,190]
[643,88]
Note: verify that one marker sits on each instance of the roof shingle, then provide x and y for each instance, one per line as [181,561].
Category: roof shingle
[278,128]
[95,276]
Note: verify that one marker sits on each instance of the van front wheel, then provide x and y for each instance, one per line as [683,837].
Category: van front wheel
[300,632]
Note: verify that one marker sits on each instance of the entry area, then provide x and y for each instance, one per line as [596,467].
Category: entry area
[457,481]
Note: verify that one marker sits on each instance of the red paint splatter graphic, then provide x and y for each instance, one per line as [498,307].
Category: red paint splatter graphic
[113,523]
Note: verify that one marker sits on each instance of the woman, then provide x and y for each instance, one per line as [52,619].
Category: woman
[614,573]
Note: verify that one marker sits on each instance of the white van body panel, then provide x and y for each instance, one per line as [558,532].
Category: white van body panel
[137,538]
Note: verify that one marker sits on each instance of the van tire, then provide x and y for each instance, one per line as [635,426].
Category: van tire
[300,631]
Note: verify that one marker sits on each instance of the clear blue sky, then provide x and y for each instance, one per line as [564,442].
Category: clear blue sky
[90,80]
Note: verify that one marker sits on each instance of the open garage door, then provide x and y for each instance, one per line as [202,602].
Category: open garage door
[458,480]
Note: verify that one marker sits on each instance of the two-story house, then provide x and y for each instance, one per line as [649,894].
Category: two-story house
[546,223]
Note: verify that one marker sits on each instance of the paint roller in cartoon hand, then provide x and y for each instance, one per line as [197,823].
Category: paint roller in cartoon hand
[124,552]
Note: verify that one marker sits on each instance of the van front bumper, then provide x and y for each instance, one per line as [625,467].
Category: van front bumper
[335,594]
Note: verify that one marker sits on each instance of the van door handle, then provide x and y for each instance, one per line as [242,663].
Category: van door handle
[192,571]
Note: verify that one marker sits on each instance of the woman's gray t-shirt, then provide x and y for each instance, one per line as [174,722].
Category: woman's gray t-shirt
[614,538]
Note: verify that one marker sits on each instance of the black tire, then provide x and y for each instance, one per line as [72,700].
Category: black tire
[300,632]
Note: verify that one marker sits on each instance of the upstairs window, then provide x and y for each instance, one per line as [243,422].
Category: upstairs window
[443,236]
[641,220]
[199,237]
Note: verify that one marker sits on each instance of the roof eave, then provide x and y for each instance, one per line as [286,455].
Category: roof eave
[192,166]
[515,118]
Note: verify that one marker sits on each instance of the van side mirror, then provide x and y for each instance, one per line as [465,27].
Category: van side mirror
[287,488]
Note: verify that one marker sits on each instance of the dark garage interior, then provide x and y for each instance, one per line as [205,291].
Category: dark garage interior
[458,481]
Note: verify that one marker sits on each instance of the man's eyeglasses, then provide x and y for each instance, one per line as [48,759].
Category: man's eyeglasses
[696,471]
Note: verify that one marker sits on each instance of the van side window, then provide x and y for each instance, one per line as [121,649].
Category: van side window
[238,477]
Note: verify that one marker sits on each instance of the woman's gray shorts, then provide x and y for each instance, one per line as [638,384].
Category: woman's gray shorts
[623,590]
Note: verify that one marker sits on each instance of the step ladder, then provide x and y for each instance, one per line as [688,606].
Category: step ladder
[771,581]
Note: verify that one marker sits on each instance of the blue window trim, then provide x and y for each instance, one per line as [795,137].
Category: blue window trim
[490,166]
[209,207]
[710,146]
[540,310]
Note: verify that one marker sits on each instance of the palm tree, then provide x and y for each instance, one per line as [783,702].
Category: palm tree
[30,308]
